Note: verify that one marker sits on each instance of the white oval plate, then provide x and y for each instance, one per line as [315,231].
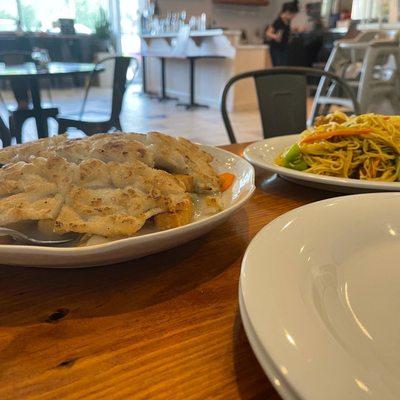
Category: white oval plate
[264,153]
[142,245]
[321,295]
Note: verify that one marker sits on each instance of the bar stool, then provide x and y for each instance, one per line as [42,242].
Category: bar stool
[192,105]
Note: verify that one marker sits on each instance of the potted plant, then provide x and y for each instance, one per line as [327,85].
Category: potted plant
[102,31]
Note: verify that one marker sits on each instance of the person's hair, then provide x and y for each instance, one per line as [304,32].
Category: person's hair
[292,7]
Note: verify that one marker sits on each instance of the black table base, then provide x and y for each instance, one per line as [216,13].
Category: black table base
[192,105]
[164,96]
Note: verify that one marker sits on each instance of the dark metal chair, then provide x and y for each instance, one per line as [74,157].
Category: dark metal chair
[5,134]
[18,116]
[95,122]
[282,98]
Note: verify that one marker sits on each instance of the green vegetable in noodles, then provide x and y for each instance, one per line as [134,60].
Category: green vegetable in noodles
[293,158]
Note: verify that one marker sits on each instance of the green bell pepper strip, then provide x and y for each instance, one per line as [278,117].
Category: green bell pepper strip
[293,158]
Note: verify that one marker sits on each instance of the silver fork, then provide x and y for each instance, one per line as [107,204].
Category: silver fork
[25,239]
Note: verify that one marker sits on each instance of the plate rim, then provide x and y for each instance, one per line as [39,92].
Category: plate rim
[114,245]
[300,389]
[269,367]
[248,154]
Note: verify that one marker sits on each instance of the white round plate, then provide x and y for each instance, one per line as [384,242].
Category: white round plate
[264,153]
[145,244]
[275,376]
[320,293]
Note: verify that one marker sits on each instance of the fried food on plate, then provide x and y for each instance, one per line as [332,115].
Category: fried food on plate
[107,185]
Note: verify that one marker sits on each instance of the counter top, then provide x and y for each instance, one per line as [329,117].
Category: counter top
[206,33]
[252,46]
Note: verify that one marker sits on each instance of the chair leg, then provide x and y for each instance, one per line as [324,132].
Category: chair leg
[117,124]
[394,99]
[5,134]
[16,124]
[62,128]
[49,92]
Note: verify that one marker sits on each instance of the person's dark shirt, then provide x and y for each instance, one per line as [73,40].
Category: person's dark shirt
[280,27]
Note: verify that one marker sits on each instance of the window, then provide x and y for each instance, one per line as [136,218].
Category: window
[130,40]
[8,16]
[86,14]
[43,15]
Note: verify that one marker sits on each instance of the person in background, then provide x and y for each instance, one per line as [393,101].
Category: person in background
[277,34]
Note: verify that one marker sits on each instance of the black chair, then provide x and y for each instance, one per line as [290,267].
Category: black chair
[95,122]
[5,134]
[282,98]
[18,116]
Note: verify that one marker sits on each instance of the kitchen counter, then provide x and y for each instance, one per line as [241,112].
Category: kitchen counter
[220,56]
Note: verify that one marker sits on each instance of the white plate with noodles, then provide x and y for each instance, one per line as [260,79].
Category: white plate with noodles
[351,154]
[319,297]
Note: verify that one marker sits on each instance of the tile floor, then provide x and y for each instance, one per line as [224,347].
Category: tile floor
[142,114]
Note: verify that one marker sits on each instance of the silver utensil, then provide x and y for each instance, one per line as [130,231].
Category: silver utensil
[25,239]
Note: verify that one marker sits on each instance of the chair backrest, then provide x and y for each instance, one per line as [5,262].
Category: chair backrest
[4,133]
[282,98]
[385,54]
[15,57]
[121,65]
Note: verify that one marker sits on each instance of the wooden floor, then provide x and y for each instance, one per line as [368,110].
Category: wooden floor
[142,114]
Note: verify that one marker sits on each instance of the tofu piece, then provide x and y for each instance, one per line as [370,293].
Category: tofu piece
[182,216]
[186,181]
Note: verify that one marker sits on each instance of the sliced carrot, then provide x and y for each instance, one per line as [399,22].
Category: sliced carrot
[225,181]
[340,132]
[374,168]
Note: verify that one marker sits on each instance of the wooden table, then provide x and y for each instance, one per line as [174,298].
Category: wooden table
[166,326]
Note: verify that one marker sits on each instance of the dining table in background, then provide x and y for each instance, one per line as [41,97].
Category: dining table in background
[165,326]
[34,73]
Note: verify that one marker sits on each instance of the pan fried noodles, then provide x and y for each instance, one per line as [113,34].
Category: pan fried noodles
[360,147]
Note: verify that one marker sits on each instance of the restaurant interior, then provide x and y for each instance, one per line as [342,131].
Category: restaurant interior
[199,199]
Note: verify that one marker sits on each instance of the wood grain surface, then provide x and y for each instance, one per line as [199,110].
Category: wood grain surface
[166,326]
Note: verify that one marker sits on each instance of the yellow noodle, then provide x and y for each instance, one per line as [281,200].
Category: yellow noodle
[373,155]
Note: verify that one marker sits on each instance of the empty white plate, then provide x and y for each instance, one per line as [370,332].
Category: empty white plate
[321,298]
